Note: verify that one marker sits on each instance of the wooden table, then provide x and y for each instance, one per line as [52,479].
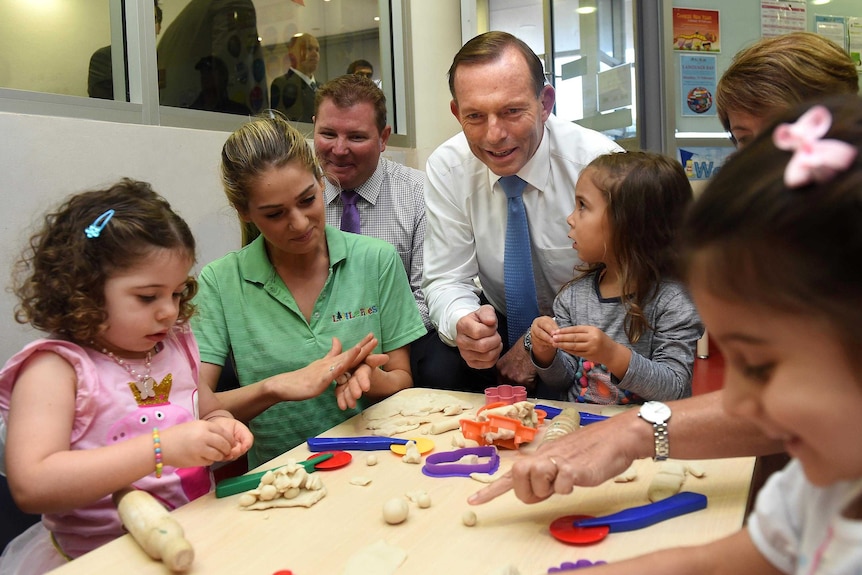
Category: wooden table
[320,539]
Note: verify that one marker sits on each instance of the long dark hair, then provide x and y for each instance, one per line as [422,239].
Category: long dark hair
[647,195]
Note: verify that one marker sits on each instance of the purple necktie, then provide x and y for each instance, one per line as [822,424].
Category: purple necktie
[350,213]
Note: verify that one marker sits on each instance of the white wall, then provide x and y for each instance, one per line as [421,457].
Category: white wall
[43,159]
[436,37]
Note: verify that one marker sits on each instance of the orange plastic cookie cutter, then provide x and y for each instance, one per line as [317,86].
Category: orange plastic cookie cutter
[480,430]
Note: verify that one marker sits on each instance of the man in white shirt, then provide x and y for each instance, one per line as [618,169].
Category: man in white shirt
[500,97]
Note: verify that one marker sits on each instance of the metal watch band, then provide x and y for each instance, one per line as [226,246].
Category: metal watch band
[662,445]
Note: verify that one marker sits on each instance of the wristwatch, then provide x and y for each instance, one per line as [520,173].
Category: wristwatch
[657,413]
[528,341]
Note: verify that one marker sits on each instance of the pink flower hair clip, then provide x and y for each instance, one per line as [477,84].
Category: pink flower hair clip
[814,159]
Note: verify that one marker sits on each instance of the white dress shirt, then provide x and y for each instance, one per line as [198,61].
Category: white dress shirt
[466,221]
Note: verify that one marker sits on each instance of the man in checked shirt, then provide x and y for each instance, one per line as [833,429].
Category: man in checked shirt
[350,132]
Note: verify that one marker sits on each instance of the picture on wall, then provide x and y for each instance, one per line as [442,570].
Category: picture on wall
[696,30]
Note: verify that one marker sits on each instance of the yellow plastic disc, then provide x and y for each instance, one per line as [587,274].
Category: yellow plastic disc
[423,444]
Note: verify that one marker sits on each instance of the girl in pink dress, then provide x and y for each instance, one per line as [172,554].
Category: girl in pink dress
[110,398]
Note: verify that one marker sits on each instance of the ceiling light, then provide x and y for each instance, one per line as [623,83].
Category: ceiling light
[586,7]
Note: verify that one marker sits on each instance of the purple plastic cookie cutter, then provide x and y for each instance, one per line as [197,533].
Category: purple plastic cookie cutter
[508,394]
[571,566]
[444,464]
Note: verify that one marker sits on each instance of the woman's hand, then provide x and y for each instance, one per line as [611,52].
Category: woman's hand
[358,382]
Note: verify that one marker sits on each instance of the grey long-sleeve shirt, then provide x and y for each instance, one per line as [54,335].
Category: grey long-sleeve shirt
[662,360]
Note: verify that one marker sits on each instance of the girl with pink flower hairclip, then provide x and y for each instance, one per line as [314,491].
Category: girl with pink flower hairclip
[772,252]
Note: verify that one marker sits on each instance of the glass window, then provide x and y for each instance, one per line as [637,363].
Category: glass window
[592,56]
[57,47]
[229,56]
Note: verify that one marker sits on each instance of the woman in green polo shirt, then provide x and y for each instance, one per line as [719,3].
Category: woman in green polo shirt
[284,305]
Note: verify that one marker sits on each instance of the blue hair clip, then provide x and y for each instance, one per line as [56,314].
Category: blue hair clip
[95,229]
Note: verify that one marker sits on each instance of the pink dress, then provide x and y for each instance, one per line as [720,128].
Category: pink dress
[109,409]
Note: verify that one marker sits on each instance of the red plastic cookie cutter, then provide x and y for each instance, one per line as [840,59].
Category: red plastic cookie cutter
[479,430]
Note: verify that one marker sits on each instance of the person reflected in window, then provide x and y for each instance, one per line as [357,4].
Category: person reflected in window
[361,68]
[214,96]
[226,29]
[292,94]
[100,78]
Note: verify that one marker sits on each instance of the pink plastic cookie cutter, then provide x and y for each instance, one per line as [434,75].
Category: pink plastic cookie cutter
[507,394]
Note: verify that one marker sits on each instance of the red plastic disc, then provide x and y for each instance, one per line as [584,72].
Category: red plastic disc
[338,459]
[563,530]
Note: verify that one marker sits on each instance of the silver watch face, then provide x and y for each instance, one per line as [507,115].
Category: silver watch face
[655,412]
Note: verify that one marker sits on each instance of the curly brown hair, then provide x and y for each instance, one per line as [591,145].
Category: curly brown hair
[60,278]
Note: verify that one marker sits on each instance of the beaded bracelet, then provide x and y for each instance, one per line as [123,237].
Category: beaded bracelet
[157,449]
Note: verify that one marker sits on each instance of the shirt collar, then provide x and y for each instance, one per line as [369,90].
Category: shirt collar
[537,171]
[255,267]
[368,190]
[307,79]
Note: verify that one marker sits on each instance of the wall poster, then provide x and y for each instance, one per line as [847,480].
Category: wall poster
[698,77]
[696,30]
[778,17]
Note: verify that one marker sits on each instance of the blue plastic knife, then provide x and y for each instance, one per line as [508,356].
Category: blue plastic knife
[362,443]
[650,514]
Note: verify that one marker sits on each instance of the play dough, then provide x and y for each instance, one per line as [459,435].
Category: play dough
[695,469]
[668,481]
[287,486]
[469,518]
[395,511]
[626,476]
[415,405]
[412,455]
[420,497]
[379,558]
[371,460]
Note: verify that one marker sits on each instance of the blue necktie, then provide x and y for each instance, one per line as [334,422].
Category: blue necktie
[521,305]
[350,213]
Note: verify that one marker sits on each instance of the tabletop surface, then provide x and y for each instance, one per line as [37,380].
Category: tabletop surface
[509,534]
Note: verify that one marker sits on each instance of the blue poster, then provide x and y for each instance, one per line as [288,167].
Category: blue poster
[701,163]
[697,74]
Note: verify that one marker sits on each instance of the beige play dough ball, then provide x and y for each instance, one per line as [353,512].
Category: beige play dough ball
[469,518]
[395,510]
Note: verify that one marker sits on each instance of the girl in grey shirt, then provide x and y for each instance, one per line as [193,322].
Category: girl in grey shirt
[624,330]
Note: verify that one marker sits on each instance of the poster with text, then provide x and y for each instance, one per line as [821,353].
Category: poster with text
[777,18]
[832,27]
[696,30]
[854,39]
[701,163]
[698,77]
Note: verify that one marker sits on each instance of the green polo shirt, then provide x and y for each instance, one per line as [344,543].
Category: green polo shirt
[244,305]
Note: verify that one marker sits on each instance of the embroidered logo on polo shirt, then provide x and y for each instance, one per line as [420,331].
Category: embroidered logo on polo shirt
[347,315]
